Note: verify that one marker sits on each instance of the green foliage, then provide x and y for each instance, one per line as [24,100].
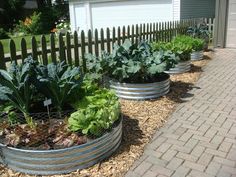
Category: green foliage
[59,82]
[15,87]
[181,46]
[131,63]
[199,31]
[96,112]
[198,44]
[31,25]
[12,11]
[3,34]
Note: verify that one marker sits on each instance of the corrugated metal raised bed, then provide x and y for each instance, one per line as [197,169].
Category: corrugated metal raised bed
[197,55]
[61,161]
[141,91]
[181,67]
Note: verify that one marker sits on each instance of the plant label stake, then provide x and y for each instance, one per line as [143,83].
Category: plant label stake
[46,103]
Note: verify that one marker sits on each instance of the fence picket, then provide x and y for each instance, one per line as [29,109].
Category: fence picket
[128,32]
[123,34]
[2,62]
[44,50]
[147,33]
[90,43]
[34,48]
[132,34]
[62,54]
[118,35]
[102,40]
[113,36]
[53,48]
[68,48]
[108,41]
[137,34]
[12,46]
[23,49]
[76,49]
[96,42]
[82,36]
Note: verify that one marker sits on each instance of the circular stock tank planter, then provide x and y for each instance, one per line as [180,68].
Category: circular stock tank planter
[142,91]
[181,67]
[197,55]
[61,161]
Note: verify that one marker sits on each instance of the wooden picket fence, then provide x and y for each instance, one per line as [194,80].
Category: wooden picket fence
[73,48]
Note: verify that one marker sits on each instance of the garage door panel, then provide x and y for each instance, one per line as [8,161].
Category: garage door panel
[133,12]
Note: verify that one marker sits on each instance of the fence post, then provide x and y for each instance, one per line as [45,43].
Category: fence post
[2,62]
[23,49]
[128,32]
[118,35]
[44,50]
[123,34]
[136,34]
[147,33]
[68,48]
[76,48]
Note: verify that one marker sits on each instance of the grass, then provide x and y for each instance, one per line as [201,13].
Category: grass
[17,40]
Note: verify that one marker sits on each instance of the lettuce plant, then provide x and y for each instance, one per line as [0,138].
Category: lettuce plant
[96,113]
[132,63]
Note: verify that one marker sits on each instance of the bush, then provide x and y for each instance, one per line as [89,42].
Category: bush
[3,34]
[31,25]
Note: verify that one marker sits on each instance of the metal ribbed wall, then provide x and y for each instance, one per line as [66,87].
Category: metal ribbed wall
[197,9]
[48,162]
[141,91]
[181,67]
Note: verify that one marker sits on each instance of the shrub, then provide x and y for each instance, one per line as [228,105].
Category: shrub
[31,25]
[3,34]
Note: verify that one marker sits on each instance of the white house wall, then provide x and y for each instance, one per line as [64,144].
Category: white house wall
[93,14]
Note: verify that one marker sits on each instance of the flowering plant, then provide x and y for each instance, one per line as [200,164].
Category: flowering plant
[62,26]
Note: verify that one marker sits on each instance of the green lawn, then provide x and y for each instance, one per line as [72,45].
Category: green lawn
[17,40]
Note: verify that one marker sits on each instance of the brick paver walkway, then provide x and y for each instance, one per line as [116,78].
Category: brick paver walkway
[199,139]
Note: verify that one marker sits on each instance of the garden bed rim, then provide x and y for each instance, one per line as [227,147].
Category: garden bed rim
[66,148]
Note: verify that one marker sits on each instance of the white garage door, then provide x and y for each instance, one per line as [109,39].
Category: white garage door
[231,30]
[113,14]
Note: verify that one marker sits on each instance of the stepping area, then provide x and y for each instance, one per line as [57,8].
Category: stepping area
[199,138]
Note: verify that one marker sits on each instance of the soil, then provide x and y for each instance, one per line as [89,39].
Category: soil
[141,120]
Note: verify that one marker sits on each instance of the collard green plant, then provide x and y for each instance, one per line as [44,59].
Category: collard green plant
[96,113]
[16,88]
[58,82]
[132,63]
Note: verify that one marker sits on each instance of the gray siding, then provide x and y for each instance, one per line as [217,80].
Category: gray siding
[197,9]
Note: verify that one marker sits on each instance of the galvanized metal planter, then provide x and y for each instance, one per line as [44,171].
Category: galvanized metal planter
[181,67]
[61,161]
[141,91]
[197,55]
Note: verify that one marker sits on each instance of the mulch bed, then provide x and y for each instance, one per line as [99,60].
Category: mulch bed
[141,120]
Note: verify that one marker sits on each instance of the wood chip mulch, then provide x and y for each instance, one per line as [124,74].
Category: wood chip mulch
[141,120]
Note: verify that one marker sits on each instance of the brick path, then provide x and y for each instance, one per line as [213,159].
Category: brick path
[199,139]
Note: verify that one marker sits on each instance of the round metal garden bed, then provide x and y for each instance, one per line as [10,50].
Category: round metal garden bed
[61,161]
[141,91]
[197,55]
[181,67]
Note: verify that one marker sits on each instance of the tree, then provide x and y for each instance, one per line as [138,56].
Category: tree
[11,11]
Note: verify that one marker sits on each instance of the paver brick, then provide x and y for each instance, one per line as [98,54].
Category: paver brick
[142,168]
[194,166]
[175,163]
[213,168]
[161,170]
[225,146]
[205,159]
[224,161]
[169,155]
[181,172]
[188,157]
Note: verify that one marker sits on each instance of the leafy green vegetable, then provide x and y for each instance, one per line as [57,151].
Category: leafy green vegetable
[96,113]
[16,88]
[198,44]
[132,63]
[181,46]
[59,82]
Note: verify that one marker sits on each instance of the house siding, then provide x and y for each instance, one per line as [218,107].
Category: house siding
[197,9]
